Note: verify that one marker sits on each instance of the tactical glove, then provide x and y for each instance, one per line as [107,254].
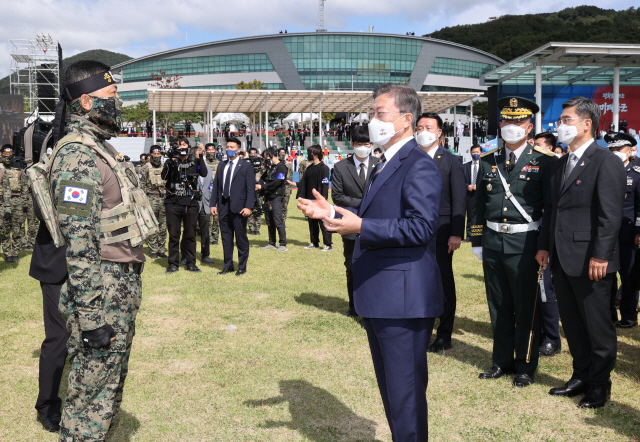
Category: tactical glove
[7,216]
[98,338]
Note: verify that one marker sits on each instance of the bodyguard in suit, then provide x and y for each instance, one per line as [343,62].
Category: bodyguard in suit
[349,178]
[396,283]
[470,171]
[450,227]
[456,143]
[512,187]
[629,236]
[579,240]
[49,266]
[232,199]
[249,135]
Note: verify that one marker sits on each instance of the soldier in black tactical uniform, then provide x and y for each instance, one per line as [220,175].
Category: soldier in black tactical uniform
[272,183]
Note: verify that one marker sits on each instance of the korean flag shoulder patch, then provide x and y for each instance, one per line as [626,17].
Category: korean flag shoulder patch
[75,198]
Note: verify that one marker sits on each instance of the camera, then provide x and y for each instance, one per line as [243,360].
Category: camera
[256,162]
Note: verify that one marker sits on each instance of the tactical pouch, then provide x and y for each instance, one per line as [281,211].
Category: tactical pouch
[267,207]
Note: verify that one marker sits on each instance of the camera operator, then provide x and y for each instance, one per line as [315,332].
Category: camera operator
[254,219]
[181,202]
[272,183]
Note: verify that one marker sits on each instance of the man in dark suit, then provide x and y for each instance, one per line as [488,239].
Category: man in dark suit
[579,240]
[470,171]
[456,143]
[49,266]
[349,178]
[450,228]
[396,283]
[232,199]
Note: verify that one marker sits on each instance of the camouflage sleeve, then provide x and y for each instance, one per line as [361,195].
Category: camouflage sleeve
[26,191]
[77,194]
[6,188]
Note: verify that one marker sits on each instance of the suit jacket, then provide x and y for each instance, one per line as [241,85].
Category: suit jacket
[466,170]
[395,274]
[585,212]
[205,184]
[346,189]
[243,186]
[453,205]
[48,262]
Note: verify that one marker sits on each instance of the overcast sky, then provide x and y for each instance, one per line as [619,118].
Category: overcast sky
[136,28]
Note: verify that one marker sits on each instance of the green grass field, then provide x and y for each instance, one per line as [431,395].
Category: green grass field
[297,369]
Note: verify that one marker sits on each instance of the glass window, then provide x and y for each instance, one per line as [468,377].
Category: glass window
[460,68]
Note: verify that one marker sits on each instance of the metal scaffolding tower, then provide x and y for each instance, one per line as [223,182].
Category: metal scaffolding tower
[35,74]
[321,27]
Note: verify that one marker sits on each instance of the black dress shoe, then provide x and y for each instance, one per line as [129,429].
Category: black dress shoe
[351,313]
[439,345]
[224,272]
[626,323]
[162,255]
[172,268]
[572,388]
[241,272]
[494,373]
[50,422]
[193,268]
[597,395]
[523,380]
[549,349]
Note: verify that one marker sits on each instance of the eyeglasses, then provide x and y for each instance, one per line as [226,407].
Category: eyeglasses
[379,115]
[567,121]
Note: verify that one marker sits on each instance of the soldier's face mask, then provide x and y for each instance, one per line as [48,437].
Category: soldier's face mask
[6,160]
[156,160]
[211,156]
[281,157]
[106,114]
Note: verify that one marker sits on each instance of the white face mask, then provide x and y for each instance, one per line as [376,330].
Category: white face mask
[513,134]
[566,133]
[362,151]
[426,138]
[380,132]
[559,155]
[622,156]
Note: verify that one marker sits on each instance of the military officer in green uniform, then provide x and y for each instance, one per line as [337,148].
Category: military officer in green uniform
[154,186]
[512,188]
[16,199]
[211,160]
[282,153]
[104,217]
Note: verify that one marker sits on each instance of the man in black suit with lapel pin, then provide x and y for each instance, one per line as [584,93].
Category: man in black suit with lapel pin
[232,199]
[579,240]
[450,229]
[349,177]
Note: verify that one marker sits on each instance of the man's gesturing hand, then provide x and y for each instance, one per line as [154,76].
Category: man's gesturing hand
[316,209]
[349,223]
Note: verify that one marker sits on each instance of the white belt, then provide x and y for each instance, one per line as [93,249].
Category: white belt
[513,228]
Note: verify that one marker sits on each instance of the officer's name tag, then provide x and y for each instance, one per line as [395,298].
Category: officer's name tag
[76,195]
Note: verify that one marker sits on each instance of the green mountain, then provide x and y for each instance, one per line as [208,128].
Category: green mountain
[106,57]
[510,36]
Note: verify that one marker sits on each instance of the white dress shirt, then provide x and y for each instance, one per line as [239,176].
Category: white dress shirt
[231,164]
[580,150]
[518,151]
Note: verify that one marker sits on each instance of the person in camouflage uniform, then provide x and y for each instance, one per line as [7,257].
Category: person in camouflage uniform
[144,159]
[16,199]
[304,163]
[211,160]
[287,189]
[32,222]
[256,213]
[101,298]
[2,223]
[154,186]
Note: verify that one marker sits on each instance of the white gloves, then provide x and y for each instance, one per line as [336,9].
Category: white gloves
[477,251]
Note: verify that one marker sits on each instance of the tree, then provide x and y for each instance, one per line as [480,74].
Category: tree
[481,109]
[136,113]
[164,81]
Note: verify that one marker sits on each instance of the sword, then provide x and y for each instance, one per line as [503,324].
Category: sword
[539,293]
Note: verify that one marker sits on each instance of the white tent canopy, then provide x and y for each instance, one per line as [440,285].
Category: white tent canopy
[231,117]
